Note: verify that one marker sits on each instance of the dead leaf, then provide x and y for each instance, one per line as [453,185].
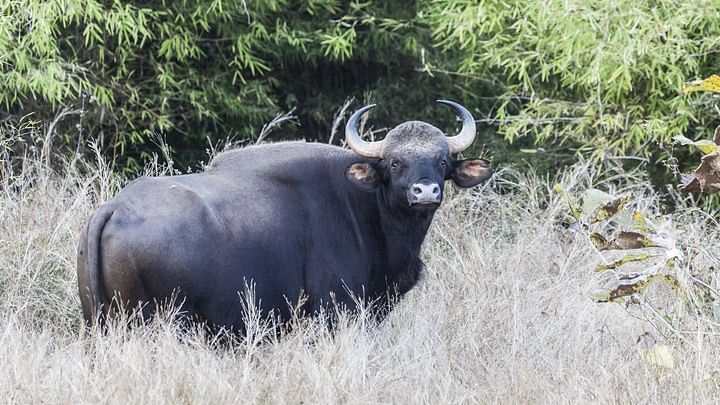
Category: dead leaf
[609,209]
[640,222]
[599,241]
[706,178]
[570,200]
[593,198]
[632,240]
[706,146]
[624,240]
[624,260]
[659,355]
[712,84]
[636,283]
[602,295]
[671,281]
[623,290]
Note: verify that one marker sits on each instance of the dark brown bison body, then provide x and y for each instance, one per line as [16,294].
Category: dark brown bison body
[291,219]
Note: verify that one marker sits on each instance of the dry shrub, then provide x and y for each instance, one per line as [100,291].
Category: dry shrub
[503,314]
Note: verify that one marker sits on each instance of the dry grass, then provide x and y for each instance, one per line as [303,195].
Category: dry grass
[503,314]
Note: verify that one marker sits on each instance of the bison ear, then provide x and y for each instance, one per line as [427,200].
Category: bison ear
[471,172]
[364,175]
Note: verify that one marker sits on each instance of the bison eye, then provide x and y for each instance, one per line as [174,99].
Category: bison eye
[443,162]
[394,164]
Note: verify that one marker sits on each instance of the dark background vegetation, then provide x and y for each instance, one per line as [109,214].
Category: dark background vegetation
[547,81]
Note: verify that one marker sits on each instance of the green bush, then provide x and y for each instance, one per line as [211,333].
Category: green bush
[552,79]
[599,78]
[199,69]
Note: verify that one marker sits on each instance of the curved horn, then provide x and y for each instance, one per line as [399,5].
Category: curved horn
[465,138]
[356,143]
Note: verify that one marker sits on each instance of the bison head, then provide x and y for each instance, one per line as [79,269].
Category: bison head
[413,160]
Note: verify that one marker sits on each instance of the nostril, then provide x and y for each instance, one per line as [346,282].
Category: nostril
[436,190]
[417,190]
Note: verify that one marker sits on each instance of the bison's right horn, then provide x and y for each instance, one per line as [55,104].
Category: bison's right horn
[465,138]
[356,143]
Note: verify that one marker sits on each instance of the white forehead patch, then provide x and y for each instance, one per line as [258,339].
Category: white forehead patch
[415,138]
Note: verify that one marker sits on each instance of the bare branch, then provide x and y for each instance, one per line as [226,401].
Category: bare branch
[535,121]
[50,133]
[276,122]
[338,117]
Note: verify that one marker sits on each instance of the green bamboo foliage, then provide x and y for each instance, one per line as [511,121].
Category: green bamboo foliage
[190,69]
[600,78]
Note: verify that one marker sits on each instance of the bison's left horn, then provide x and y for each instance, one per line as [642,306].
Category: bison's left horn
[356,143]
[465,138]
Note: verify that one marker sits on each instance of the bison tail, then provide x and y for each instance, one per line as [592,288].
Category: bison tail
[100,302]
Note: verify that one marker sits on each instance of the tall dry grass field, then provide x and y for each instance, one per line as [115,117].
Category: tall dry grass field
[503,314]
